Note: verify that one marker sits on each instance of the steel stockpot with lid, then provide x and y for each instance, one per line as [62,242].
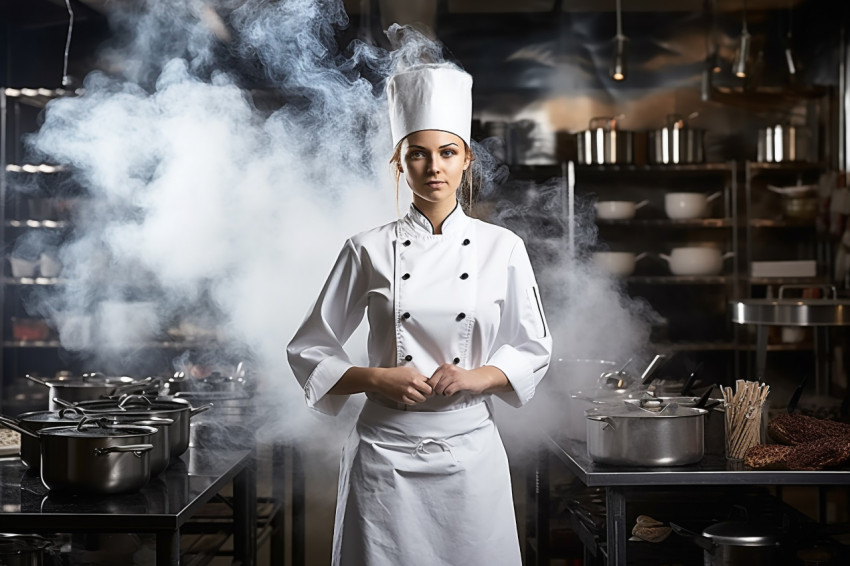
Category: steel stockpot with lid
[737,543]
[676,143]
[629,435]
[139,406]
[23,550]
[603,143]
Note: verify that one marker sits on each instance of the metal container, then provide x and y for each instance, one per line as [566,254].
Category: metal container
[737,543]
[602,143]
[23,550]
[631,436]
[715,420]
[89,386]
[35,421]
[793,311]
[161,453]
[784,143]
[676,143]
[142,407]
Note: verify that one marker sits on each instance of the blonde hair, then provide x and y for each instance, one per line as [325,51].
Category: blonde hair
[466,191]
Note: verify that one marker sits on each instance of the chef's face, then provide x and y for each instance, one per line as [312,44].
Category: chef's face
[433,162]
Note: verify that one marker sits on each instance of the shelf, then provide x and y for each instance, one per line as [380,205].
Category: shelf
[31,344]
[670,223]
[38,97]
[46,168]
[555,169]
[678,280]
[33,280]
[787,280]
[781,223]
[706,346]
[51,224]
[790,166]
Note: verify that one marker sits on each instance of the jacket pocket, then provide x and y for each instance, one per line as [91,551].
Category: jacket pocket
[536,311]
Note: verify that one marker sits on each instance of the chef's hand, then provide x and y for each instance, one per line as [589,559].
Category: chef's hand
[449,379]
[403,385]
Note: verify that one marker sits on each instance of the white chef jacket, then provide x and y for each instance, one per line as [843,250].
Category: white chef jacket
[428,484]
[467,296]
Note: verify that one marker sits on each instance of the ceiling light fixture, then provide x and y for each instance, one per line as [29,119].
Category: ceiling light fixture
[618,68]
[790,60]
[740,66]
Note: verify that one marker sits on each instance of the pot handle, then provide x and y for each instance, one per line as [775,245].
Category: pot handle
[701,541]
[66,410]
[127,398]
[609,422]
[15,425]
[822,287]
[641,204]
[713,196]
[199,410]
[88,421]
[640,256]
[137,449]
[727,255]
[665,257]
[36,380]
[64,403]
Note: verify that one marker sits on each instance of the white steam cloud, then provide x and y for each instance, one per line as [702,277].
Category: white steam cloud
[203,207]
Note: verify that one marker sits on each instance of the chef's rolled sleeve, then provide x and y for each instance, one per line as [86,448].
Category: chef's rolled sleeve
[316,354]
[524,344]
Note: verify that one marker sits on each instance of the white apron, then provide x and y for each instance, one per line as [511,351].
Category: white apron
[430,489]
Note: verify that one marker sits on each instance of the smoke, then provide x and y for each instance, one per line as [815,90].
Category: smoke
[215,200]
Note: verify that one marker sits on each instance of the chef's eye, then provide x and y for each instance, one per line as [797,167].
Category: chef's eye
[449,153]
[416,154]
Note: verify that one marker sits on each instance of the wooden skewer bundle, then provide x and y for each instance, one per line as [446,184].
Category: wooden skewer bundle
[743,416]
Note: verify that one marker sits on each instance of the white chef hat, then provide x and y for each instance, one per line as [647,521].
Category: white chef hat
[430,97]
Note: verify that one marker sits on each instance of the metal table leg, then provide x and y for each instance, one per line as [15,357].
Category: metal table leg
[298,509]
[168,548]
[615,509]
[761,350]
[278,538]
[245,515]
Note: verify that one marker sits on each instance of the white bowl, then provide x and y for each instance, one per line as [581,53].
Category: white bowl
[687,205]
[22,267]
[620,264]
[618,209]
[696,260]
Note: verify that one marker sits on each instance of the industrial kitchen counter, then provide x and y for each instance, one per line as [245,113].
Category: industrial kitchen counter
[713,470]
[162,507]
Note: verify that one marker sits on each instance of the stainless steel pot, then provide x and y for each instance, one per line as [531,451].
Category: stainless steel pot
[35,421]
[161,453]
[89,386]
[23,550]
[95,457]
[784,311]
[603,143]
[632,436]
[142,407]
[676,143]
[783,142]
[737,543]
[715,420]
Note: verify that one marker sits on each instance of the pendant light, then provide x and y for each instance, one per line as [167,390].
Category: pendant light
[618,66]
[712,58]
[790,60]
[740,65]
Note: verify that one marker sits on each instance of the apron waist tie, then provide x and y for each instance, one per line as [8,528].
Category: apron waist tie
[420,448]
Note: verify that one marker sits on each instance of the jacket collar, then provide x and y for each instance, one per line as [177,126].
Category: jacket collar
[454,222]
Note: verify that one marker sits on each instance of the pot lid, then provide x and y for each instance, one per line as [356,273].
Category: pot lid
[133,406]
[741,533]
[94,379]
[63,416]
[633,410]
[97,430]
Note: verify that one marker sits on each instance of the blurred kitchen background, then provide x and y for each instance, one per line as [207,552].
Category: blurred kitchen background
[599,114]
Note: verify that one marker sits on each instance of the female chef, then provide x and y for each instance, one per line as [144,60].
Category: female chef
[454,318]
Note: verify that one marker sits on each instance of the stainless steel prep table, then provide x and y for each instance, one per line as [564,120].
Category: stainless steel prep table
[712,470]
[162,507]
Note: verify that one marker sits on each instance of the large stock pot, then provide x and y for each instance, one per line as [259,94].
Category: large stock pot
[603,143]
